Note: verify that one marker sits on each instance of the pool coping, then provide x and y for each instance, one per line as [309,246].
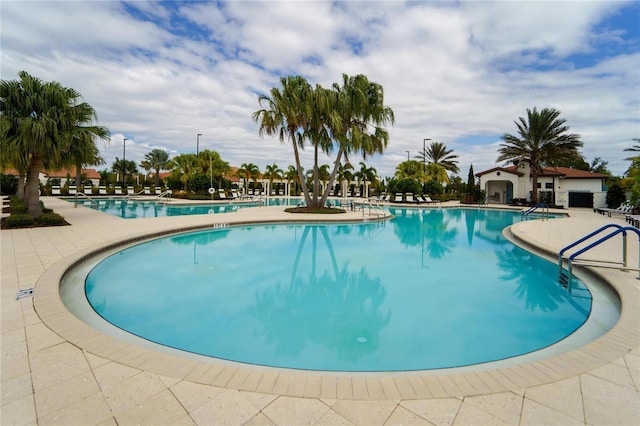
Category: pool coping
[624,337]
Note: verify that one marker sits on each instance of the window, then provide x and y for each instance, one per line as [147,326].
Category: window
[539,185]
[548,185]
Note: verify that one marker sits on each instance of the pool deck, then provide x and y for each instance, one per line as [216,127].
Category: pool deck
[57,370]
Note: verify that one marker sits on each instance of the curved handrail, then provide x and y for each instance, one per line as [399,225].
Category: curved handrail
[622,230]
[82,194]
[586,237]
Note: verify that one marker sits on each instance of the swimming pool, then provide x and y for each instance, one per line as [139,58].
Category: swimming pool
[430,289]
[134,208]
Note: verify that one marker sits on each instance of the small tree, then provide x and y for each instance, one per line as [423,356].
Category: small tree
[615,196]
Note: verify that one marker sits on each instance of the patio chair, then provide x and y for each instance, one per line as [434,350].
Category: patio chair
[410,198]
[221,194]
[55,190]
[428,200]
[88,190]
[118,190]
[398,198]
[102,190]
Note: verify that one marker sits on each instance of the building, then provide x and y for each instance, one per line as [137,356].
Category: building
[562,186]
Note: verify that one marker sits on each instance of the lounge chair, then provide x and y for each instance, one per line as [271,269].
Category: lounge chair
[72,190]
[88,190]
[428,200]
[221,194]
[102,190]
[398,198]
[118,190]
[147,190]
[624,208]
[410,198]
[55,190]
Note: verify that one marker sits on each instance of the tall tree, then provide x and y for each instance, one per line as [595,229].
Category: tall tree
[272,172]
[357,120]
[248,171]
[437,153]
[185,166]
[410,169]
[157,159]
[127,166]
[38,123]
[471,182]
[542,140]
[285,113]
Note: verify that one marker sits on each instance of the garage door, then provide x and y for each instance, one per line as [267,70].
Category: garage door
[581,199]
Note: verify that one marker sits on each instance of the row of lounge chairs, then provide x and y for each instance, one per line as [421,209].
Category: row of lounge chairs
[407,198]
[624,208]
[102,190]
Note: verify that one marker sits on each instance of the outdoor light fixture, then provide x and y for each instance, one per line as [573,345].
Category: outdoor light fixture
[198,144]
[124,166]
[424,152]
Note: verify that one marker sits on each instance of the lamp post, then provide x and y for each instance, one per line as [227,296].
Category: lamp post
[424,153]
[198,143]
[124,165]
[407,155]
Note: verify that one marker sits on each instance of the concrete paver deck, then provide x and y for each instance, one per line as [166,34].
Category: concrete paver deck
[57,370]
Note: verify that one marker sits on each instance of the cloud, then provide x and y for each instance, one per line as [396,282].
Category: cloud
[460,73]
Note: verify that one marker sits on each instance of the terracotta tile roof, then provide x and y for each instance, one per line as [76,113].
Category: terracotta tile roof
[569,173]
[510,169]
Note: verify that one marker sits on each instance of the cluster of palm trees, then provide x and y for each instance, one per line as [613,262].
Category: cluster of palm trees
[45,125]
[348,118]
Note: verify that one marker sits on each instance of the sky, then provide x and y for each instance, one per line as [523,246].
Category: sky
[461,73]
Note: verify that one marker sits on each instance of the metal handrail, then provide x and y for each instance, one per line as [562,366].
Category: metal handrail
[166,193]
[530,210]
[82,194]
[619,230]
[126,197]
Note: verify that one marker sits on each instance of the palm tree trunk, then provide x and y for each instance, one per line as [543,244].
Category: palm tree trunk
[303,183]
[21,184]
[157,178]
[78,171]
[32,196]
[332,178]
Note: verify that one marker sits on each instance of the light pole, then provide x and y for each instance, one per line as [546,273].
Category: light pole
[424,153]
[198,143]
[407,155]
[124,165]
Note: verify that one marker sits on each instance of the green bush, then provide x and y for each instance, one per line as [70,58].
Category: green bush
[20,220]
[51,219]
[8,184]
[17,206]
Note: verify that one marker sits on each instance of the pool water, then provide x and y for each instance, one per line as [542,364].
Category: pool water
[432,288]
[132,209]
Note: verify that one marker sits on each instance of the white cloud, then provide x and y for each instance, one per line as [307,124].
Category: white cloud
[457,73]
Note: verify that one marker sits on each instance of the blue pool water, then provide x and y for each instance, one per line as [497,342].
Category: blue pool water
[430,289]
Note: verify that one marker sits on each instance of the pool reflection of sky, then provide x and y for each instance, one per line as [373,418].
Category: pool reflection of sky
[430,289]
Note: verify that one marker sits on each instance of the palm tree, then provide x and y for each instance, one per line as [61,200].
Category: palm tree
[291,175]
[157,159]
[634,148]
[248,171]
[128,167]
[410,169]
[365,174]
[185,166]
[272,172]
[211,164]
[284,113]
[84,152]
[39,122]
[542,141]
[344,176]
[437,153]
[357,121]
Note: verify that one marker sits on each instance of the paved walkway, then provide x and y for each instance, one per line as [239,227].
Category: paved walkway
[57,370]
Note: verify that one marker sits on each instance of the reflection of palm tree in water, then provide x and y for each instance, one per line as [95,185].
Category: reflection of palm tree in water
[537,286]
[427,228]
[333,307]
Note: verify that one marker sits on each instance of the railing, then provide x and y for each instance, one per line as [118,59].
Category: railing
[165,194]
[94,203]
[545,211]
[374,208]
[566,280]
[128,196]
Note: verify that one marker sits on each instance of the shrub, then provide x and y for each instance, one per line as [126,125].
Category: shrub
[51,219]
[8,184]
[20,220]
[615,196]
[17,206]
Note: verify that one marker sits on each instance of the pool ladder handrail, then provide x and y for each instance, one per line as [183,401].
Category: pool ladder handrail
[545,211]
[94,203]
[128,196]
[572,258]
[377,209]
[164,194]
